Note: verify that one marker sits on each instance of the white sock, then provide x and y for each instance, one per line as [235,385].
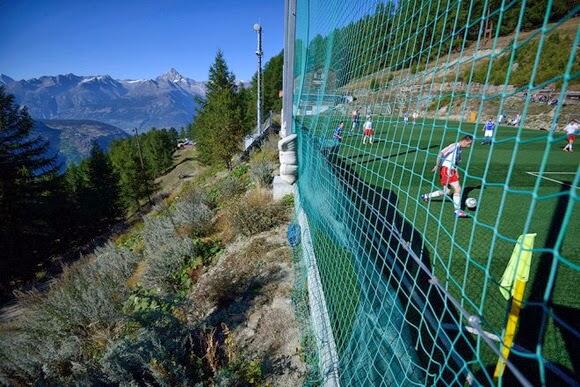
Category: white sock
[435,194]
[457,201]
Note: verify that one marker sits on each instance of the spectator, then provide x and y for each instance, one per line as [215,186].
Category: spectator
[500,118]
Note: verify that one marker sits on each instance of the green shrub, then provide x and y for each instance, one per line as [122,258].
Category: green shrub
[261,171]
[192,214]
[440,102]
[287,200]
[239,170]
[231,186]
[160,353]
[241,372]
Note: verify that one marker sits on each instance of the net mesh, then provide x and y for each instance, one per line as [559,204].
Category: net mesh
[413,292]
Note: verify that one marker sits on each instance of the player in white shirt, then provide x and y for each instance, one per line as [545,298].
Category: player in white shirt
[415,116]
[571,130]
[368,132]
[447,161]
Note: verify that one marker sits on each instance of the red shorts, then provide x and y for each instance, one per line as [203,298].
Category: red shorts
[369,132]
[571,137]
[448,176]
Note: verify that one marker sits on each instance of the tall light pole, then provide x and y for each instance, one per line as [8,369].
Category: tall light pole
[259,53]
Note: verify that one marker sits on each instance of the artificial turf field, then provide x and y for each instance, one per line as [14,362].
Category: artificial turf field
[470,255]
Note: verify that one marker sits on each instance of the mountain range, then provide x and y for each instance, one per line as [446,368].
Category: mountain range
[166,101]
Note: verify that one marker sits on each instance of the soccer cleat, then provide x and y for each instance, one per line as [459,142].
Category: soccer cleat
[461,214]
[425,198]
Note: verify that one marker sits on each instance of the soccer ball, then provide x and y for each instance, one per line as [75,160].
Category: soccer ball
[471,203]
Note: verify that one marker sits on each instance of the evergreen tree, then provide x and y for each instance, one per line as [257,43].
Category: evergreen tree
[273,83]
[218,127]
[102,188]
[29,187]
[247,98]
[220,77]
[135,182]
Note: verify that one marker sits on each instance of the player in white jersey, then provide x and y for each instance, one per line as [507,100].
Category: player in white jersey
[571,129]
[447,161]
[368,132]
[415,116]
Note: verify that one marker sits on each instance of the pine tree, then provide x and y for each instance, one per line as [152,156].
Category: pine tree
[29,184]
[220,77]
[135,182]
[218,127]
[273,83]
[102,188]
[247,98]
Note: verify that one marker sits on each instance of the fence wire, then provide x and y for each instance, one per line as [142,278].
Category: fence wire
[417,283]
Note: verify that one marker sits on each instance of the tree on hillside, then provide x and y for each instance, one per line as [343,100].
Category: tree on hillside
[220,77]
[29,186]
[247,98]
[94,194]
[273,83]
[218,128]
[136,183]
[102,187]
[158,148]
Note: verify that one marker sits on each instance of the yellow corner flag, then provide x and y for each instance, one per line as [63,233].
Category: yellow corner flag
[518,267]
[518,271]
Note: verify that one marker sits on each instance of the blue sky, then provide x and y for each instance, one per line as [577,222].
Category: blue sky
[134,39]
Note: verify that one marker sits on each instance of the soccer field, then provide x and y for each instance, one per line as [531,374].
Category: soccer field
[522,184]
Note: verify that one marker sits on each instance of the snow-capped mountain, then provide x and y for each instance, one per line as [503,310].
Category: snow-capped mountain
[166,101]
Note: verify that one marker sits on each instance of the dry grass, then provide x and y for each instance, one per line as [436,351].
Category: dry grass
[135,278]
[255,213]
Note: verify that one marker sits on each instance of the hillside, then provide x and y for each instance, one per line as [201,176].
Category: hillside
[203,289]
[163,102]
[72,139]
[439,90]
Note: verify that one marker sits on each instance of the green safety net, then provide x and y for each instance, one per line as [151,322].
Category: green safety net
[414,294]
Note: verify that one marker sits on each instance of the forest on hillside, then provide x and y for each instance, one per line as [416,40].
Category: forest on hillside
[45,212]
[384,40]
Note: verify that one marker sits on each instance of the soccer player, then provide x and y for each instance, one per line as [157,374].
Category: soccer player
[368,132]
[415,116]
[355,118]
[406,117]
[488,131]
[571,129]
[447,162]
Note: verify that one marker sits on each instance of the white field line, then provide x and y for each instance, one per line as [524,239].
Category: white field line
[537,174]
